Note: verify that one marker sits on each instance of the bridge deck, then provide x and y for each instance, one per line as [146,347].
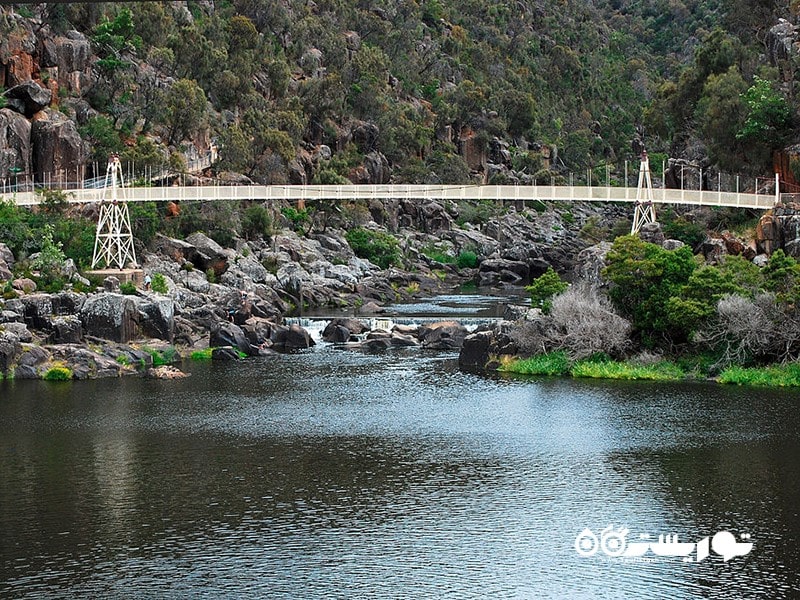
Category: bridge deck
[412,192]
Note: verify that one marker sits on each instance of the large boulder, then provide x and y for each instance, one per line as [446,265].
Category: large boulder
[66,330]
[57,147]
[28,98]
[10,349]
[293,337]
[340,329]
[38,310]
[442,335]
[209,254]
[15,144]
[123,318]
[110,317]
[230,334]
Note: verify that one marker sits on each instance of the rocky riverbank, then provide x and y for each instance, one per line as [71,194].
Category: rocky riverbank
[235,299]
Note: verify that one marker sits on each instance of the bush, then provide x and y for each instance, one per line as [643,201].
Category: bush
[543,288]
[257,222]
[204,354]
[466,259]
[582,323]
[159,283]
[58,373]
[783,376]
[376,246]
[662,371]
[128,288]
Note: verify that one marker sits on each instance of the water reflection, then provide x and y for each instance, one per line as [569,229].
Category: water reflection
[337,474]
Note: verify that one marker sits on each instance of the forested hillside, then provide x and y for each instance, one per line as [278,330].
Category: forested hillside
[409,91]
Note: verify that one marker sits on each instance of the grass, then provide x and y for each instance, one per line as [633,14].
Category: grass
[661,371]
[204,354]
[778,376]
[553,363]
[557,363]
[160,358]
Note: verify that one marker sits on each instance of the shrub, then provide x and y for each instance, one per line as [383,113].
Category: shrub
[128,288]
[784,376]
[582,323]
[257,222]
[466,259]
[376,246]
[204,354]
[58,373]
[161,357]
[661,371]
[159,283]
[543,288]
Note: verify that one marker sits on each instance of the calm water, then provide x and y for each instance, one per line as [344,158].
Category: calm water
[332,474]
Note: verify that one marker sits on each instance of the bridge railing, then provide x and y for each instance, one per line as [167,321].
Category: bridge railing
[413,192]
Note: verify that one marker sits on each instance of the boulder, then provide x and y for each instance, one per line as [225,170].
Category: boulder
[590,263]
[400,339]
[28,98]
[38,310]
[258,330]
[30,361]
[225,353]
[57,147]
[66,330]
[340,329]
[70,54]
[111,284]
[24,284]
[336,334]
[210,255]
[442,335]
[10,349]
[290,338]
[110,317]
[230,334]
[156,317]
[20,331]
[86,364]
[475,351]
[15,148]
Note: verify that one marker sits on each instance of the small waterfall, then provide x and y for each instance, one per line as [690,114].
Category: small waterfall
[316,325]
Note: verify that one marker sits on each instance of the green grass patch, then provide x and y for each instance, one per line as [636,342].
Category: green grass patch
[161,357]
[553,363]
[778,376]
[661,371]
[204,354]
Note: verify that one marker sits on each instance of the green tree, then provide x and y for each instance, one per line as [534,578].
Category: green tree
[644,277]
[720,112]
[184,109]
[544,288]
[768,115]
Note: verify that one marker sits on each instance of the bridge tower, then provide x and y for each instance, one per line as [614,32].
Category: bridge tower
[113,242]
[644,212]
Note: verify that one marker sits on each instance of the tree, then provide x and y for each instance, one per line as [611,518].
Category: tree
[644,277]
[768,115]
[184,109]
[720,113]
[543,288]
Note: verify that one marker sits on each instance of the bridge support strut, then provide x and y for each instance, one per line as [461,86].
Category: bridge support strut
[113,242]
[644,211]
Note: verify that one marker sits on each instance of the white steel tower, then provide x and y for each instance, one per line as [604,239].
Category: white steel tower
[113,242]
[645,212]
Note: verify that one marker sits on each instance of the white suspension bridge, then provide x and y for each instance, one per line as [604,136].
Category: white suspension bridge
[114,239]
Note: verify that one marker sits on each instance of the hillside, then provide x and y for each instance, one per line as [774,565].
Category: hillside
[430,91]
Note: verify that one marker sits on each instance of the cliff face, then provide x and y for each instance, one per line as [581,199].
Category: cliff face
[36,68]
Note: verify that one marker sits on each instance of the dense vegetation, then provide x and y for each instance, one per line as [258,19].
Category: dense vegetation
[268,77]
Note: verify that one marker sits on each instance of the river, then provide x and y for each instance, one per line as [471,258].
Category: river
[337,474]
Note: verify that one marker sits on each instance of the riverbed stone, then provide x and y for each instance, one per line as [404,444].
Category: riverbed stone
[290,338]
[442,335]
[230,334]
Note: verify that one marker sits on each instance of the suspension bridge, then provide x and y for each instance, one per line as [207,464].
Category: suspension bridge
[114,240]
